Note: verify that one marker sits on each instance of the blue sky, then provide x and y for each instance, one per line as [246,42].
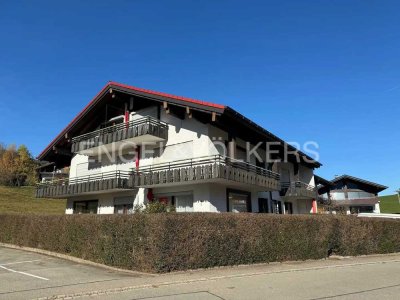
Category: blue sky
[327,71]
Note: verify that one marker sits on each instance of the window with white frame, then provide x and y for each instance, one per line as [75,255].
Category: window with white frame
[183,201]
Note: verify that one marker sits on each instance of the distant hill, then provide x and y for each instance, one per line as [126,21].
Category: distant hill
[22,200]
[390,204]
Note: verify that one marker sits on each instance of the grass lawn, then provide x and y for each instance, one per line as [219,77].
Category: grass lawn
[390,204]
[22,200]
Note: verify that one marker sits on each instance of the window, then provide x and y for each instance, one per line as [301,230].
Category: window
[123,205]
[184,203]
[288,208]
[238,201]
[123,209]
[85,207]
[338,195]
[361,209]
[358,195]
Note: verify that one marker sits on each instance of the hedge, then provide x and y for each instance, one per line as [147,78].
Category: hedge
[171,241]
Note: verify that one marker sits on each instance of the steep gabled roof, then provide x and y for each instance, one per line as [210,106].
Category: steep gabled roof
[378,186]
[172,99]
[119,86]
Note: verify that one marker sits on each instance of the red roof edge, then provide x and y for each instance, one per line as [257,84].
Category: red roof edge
[110,84]
[186,99]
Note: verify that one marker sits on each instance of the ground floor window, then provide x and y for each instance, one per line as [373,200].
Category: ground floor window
[238,201]
[288,208]
[276,207]
[183,201]
[123,205]
[86,207]
[123,209]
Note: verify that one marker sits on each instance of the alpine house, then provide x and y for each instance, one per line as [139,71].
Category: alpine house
[130,146]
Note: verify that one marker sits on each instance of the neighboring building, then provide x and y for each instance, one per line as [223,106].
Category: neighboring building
[350,194]
[130,146]
[47,172]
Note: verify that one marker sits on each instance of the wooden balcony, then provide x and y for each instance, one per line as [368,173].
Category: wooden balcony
[143,130]
[214,168]
[298,190]
[94,184]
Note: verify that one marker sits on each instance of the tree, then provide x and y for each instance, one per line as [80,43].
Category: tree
[2,149]
[25,167]
[17,167]
[8,166]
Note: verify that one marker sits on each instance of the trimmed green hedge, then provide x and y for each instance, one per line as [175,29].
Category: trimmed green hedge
[168,242]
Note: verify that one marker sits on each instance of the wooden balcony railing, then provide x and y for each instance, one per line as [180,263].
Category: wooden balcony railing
[208,168]
[120,132]
[298,189]
[86,184]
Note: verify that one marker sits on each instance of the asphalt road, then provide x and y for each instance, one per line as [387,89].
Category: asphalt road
[26,275]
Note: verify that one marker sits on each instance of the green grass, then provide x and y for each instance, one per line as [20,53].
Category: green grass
[22,201]
[390,204]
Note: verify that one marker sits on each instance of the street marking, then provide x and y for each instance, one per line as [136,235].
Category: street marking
[19,262]
[23,273]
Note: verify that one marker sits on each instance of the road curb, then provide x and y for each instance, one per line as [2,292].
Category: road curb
[75,259]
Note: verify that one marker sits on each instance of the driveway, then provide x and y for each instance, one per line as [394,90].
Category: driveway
[26,275]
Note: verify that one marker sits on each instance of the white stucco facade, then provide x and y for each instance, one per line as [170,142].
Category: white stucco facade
[187,138]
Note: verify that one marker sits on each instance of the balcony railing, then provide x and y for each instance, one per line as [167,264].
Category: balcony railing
[298,189]
[86,184]
[123,131]
[208,168]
